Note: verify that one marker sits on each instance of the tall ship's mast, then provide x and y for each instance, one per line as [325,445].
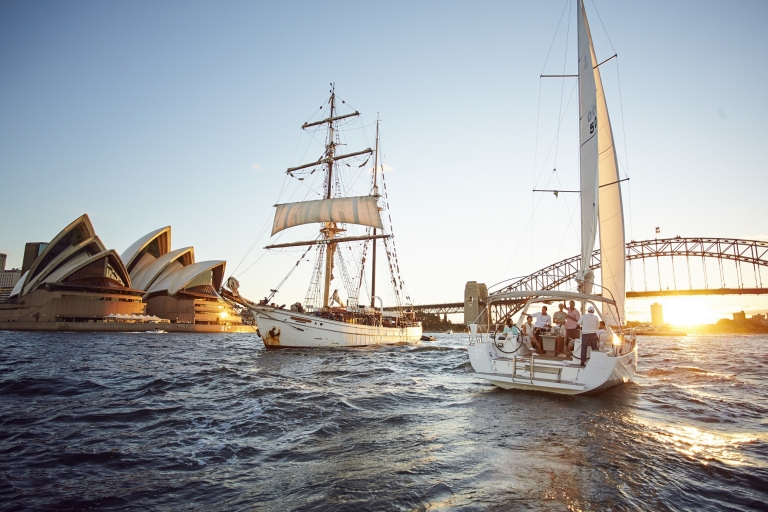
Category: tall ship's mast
[376,194]
[337,210]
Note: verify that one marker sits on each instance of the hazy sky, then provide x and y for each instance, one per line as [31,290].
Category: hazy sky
[146,114]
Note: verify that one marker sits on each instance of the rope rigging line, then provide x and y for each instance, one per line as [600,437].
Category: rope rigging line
[552,145]
[258,237]
[277,288]
[396,277]
[562,85]
[565,6]
[312,298]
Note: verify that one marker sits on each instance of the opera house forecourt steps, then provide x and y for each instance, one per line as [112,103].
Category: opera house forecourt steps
[75,284]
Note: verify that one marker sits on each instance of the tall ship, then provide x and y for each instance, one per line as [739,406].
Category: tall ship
[512,361]
[325,318]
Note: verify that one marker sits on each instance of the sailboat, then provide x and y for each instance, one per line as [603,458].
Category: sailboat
[510,363]
[324,319]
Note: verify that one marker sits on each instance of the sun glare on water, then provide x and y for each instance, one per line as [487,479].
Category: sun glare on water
[695,443]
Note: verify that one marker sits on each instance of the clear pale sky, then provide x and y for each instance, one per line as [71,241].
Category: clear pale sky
[146,114]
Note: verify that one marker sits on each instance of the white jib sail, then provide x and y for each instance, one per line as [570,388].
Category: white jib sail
[362,210]
[588,138]
[610,208]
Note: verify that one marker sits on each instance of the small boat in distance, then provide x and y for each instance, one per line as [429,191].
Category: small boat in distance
[511,363]
[325,319]
[664,330]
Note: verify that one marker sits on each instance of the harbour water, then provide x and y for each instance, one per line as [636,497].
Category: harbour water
[185,421]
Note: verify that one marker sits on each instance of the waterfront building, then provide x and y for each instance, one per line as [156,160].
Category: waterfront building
[73,278]
[8,279]
[3,259]
[175,286]
[740,317]
[657,315]
[31,251]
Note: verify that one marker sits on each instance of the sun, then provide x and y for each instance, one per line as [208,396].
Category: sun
[688,311]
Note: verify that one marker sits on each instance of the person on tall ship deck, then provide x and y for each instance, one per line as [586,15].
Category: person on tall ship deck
[589,324]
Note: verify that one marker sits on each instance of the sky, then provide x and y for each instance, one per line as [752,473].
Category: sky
[146,114]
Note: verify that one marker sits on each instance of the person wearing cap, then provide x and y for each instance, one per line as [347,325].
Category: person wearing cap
[589,324]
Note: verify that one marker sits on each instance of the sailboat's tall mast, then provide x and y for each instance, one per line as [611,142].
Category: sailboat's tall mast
[329,229]
[376,193]
[582,264]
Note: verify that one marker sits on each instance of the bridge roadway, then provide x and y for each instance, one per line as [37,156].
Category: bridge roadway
[753,253]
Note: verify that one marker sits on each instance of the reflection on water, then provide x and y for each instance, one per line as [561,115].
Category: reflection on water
[698,444]
[183,421]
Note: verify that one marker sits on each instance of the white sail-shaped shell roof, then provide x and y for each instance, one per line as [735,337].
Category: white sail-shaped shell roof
[17,288]
[146,276]
[75,253]
[72,266]
[133,256]
[76,232]
[174,281]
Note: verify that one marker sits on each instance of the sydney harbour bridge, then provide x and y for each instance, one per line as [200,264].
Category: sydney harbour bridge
[699,266]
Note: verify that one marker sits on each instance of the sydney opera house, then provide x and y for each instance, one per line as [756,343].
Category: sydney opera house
[75,279]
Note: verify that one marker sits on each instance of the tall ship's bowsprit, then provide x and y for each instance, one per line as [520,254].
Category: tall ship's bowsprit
[544,359]
[325,319]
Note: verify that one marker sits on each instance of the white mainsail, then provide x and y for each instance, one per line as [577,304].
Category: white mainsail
[588,138]
[362,210]
[610,208]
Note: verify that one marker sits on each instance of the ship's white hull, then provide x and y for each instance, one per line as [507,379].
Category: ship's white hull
[288,329]
[602,371]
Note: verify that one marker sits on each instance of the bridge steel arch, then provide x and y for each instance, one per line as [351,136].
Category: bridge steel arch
[752,252]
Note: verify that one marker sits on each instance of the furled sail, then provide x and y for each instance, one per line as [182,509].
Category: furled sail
[362,210]
[610,209]
[588,137]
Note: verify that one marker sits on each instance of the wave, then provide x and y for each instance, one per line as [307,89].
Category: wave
[31,387]
[431,348]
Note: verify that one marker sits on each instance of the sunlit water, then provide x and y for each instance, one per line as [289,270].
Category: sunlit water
[179,421]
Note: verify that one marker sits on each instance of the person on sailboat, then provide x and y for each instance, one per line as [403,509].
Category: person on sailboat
[560,317]
[571,326]
[543,323]
[510,330]
[589,324]
[529,339]
[604,336]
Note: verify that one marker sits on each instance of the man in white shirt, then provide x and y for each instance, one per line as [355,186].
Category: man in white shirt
[543,321]
[589,324]
[603,336]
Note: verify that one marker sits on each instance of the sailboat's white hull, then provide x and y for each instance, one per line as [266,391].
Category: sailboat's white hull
[601,372]
[288,329]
